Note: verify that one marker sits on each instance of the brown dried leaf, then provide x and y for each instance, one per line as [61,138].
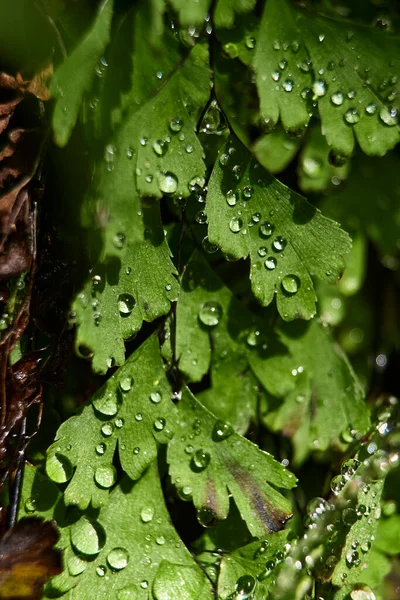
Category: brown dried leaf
[28,559]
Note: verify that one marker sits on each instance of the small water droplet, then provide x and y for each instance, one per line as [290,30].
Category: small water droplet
[235,224]
[231,198]
[279,244]
[147,513]
[200,460]
[107,429]
[155,397]
[125,383]
[352,116]
[105,476]
[221,431]
[270,263]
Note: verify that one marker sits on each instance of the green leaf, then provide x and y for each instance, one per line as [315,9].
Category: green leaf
[140,550]
[370,201]
[388,535]
[132,409]
[275,150]
[208,316]
[226,10]
[121,293]
[288,240]
[340,532]
[208,461]
[239,41]
[75,77]
[322,399]
[316,173]
[353,92]
[191,12]
[248,568]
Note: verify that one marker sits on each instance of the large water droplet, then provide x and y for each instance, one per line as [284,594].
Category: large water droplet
[107,429]
[126,383]
[155,397]
[235,224]
[118,558]
[352,116]
[200,460]
[245,587]
[319,87]
[106,404]
[279,244]
[266,229]
[87,536]
[59,468]
[210,313]
[160,147]
[290,284]
[388,116]
[175,125]
[221,431]
[126,303]
[167,182]
[105,476]
[231,198]
[337,98]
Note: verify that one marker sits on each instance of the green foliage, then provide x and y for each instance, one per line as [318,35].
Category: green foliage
[187,131]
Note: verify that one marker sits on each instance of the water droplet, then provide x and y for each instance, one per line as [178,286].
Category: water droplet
[107,429]
[231,198]
[270,263]
[128,593]
[388,116]
[87,536]
[279,244]
[200,460]
[160,540]
[76,565]
[223,159]
[125,383]
[147,513]
[371,109]
[250,42]
[208,246]
[245,587]
[175,125]
[235,224]
[262,251]
[210,313]
[30,505]
[100,449]
[105,476]
[160,147]
[159,424]
[189,148]
[106,404]
[349,516]
[101,571]
[352,116]
[155,397]
[119,240]
[319,88]
[144,584]
[288,85]
[201,217]
[247,192]
[167,182]
[352,558]
[221,431]
[139,416]
[118,558]
[59,468]
[253,338]
[119,423]
[291,284]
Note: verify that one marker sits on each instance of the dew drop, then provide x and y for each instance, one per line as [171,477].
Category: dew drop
[126,303]
[100,449]
[270,263]
[279,244]
[147,513]
[247,192]
[107,429]
[200,460]
[125,383]
[160,147]
[159,424]
[388,116]
[155,397]
[291,284]
[167,182]
[105,476]
[175,125]
[221,431]
[231,198]
[266,229]
[319,88]
[288,85]
[210,313]
[87,536]
[262,251]
[118,558]
[352,116]
[371,109]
